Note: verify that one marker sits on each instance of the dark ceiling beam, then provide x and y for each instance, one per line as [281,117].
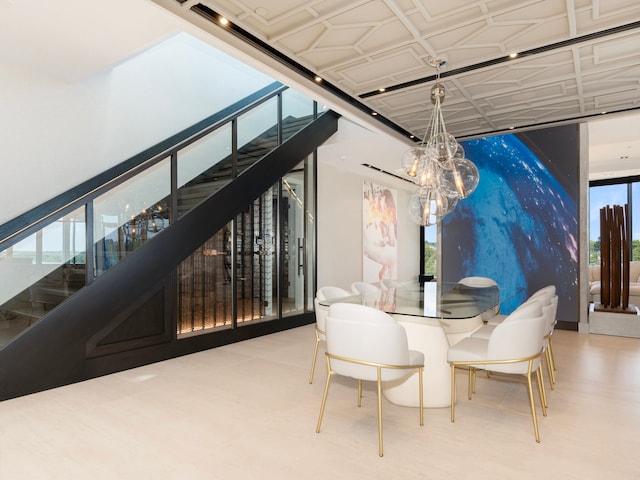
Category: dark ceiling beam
[496,61]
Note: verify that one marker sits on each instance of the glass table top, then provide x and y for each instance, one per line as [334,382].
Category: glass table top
[432,300]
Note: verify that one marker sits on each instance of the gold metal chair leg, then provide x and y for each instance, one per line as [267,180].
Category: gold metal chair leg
[552,377]
[553,358]
[420,394]
[359,393]
[544,399]
[542,392]
[475,376]
[379,412]
[533,406]
[453,392]
[470,381]
[315,356]
[324,396]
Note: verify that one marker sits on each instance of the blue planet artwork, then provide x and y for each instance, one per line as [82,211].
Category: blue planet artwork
[520,225]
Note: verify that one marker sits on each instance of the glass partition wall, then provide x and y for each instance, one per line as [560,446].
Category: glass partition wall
[253,269]
[257,268]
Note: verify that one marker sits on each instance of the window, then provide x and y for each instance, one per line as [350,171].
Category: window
[616,192]
[430,250]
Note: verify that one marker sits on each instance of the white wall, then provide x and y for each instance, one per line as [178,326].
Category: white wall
[339,216]
[57,133]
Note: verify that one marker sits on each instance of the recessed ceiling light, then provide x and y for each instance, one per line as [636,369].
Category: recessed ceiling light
[317,78]
[223,21]
[374,113]
[513,55]
[382,90]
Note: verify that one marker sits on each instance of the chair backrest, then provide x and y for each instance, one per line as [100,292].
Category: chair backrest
[478,282]
[526,310]
[393,283]
[550,310]
[543,296]
[326,293]
[549,290]
[329,292]
[363,287]
[366,334]
[520,335]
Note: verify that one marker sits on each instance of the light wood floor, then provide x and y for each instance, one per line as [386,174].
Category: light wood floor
[247,411]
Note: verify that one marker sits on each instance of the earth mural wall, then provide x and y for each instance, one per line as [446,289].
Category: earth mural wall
[520,226]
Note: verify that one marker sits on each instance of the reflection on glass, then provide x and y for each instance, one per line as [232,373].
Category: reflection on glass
[206,278]
[204,286]
[129,215]
[257,133]
[256,269]
[203,168]
[293,217]
[297,111]
[310,232]
[40,272]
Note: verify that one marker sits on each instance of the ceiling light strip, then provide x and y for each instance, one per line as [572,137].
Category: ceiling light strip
[368,165]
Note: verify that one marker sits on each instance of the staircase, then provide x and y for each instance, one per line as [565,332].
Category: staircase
[125,317]
[213,179]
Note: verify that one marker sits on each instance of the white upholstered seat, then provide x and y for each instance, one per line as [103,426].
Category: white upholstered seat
[365,343]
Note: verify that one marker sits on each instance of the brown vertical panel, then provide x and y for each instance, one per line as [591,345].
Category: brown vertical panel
[624,230]
[605,250]
[615,256]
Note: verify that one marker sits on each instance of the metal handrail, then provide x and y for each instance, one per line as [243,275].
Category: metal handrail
[38,217]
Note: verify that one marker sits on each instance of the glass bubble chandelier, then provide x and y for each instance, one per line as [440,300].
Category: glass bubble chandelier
[438,165]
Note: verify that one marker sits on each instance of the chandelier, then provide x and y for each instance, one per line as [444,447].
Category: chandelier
[438,165]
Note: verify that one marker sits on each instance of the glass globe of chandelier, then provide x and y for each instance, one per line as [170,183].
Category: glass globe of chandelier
[438,165]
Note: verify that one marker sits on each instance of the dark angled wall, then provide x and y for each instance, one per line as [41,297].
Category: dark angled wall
[520,226]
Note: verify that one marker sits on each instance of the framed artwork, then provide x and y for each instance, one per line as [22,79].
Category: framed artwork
[380,232]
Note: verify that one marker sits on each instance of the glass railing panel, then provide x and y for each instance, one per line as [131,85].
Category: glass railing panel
[204,286]
[131,214]
[40,272]
[297,112]
[204,167]
[257,133]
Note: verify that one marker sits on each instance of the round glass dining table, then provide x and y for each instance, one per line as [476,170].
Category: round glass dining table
[435,315]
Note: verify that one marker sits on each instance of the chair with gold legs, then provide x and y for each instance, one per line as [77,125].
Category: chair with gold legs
[324,293]
[514,347]
[365,343]
[552,310]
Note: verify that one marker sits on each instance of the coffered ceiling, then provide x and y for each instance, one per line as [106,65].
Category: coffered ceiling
[573,59]
[577,58]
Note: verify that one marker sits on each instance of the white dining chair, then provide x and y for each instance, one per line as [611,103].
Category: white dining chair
[321,312]
[364,288]
[394,283]
[484,282]
[515,347]
[365,343]
[548,291]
